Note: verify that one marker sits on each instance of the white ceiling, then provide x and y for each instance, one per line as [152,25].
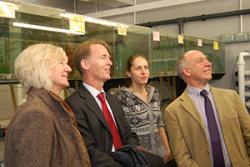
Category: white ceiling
[141,7]
[96,8]
[83,6]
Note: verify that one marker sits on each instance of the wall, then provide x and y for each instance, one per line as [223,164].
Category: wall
[9,101]
[210,29]
[232,51]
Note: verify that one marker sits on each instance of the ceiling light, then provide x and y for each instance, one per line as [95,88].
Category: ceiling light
[45,28]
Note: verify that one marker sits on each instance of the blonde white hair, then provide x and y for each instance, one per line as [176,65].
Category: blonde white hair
[33,65]
[180,65]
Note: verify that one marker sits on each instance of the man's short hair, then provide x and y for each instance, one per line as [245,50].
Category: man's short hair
[84,49]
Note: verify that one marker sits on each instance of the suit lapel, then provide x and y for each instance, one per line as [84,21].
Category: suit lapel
[90,102]
[219,104]
[221,109]
[189,107]
[114,110]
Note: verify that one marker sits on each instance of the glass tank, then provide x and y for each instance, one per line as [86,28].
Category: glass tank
[28,24]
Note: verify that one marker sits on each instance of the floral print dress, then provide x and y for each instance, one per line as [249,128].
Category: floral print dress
[145,119]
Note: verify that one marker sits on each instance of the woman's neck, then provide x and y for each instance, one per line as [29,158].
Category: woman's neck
[137,88]
[140,91]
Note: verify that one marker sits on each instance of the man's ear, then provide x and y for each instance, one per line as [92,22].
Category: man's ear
[84,64]
[186,72]
[128,74]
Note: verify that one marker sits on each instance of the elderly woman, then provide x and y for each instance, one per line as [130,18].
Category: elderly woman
[43,133]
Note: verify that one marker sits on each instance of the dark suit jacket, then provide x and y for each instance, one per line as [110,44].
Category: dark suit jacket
[94,128]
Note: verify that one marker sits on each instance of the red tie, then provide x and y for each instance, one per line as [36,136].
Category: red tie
[114,131]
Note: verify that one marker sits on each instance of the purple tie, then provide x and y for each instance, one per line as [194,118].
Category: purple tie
[214,132]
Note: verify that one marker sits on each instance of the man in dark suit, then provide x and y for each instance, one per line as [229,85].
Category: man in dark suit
[92,59]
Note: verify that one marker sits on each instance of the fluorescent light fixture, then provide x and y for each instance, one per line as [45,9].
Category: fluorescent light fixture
[94,20]
[45,28]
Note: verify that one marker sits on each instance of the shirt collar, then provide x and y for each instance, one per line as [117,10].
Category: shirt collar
[196,91]
[93,91]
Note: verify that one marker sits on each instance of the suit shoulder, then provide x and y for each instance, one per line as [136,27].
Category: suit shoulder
[174,104]
[33,110]
[112,96]
[33,105]
[117,91]
[74,96]
[225,91]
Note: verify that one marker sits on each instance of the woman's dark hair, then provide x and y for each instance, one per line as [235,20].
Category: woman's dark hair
[129,65]
[132,58]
